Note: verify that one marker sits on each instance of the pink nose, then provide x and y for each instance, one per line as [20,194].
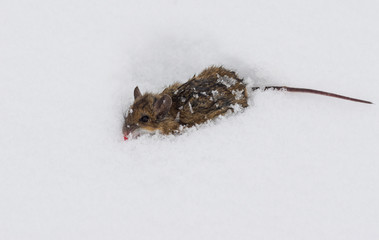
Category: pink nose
[126,136]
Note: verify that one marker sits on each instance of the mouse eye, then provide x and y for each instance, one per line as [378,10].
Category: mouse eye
[144,119]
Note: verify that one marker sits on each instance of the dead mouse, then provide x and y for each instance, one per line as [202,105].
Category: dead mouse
[212,93]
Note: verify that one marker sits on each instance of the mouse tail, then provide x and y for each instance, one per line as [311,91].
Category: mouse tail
[307,90]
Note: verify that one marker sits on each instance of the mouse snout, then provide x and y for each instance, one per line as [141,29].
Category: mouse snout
[129,130]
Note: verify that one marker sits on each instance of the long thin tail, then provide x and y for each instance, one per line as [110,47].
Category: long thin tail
[307,90]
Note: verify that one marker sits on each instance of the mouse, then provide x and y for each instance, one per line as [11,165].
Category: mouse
[214,92]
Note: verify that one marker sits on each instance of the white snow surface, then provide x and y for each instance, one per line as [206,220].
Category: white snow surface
[290,166]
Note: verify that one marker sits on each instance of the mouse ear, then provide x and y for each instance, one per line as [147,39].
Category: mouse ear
[137,93]
[162,106]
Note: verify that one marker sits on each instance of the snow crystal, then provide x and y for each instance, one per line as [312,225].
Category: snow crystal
[227,81]
[238,94]
[237,108]
[190,107]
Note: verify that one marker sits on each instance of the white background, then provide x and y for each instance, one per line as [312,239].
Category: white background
[291,166]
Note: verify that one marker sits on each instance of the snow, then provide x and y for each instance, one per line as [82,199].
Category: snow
[291,166]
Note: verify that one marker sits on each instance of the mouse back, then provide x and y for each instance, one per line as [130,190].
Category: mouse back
[214,92]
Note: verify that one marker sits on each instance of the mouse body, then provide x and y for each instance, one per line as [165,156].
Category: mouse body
[214,92]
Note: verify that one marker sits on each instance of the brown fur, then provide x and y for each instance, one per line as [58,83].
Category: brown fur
[210,94]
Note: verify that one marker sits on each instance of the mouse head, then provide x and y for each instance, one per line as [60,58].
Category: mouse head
[148,114]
